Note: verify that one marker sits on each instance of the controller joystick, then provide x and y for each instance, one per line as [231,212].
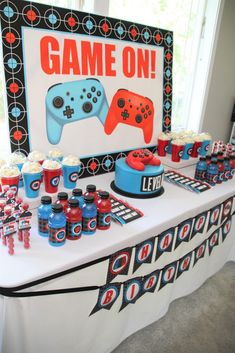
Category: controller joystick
[132,109]
[72,101]
[138,159]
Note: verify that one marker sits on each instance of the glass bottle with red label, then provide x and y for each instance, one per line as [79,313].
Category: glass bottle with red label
[57,226]
[91,191]
[103,211]
[73,220]
[63,200]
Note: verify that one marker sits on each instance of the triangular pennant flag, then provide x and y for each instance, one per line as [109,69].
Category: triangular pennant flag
[164,242]
[132,290]
[143,253]
[214,216]
[119,264]
[168,274]
[107,296]
[199,252]
[150,282]
[184,264]
[226,226]
[199,224]
[184,232]
[213,240]
[227,209]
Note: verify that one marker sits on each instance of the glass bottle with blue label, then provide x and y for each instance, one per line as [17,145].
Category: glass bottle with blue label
[201,169]
[77,194]
[57,226]
[89,216]
[73,220]
[227,168]
[212,173]
[44,211]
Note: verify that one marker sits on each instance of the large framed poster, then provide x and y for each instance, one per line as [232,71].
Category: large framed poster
[90,85]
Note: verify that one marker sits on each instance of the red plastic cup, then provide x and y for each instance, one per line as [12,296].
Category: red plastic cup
[12,182]
[196,149]
[176,152]
[51,179]
[162,145]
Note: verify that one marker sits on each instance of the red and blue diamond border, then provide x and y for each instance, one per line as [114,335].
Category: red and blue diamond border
[16,14]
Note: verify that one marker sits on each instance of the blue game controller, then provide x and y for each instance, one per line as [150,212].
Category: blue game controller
[72,101]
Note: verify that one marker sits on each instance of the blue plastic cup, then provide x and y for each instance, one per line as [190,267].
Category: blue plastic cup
[204,147]
[187,151]
[70,175]
[32,183]
[21,182]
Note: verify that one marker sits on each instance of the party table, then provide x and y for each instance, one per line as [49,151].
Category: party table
[74,299]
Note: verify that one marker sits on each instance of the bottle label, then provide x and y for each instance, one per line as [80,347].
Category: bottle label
[104,219]
[200,174]
[43,225]
[73,229]
[56,235]
[89,224]
[211,178]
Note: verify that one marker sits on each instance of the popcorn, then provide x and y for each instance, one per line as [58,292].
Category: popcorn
[36,156]
[188,139]
[2,162]
[50,164]
[55,153]
[71,160]
[178,142]
[198,138]
[17,158]
[31,167]
[205,136]
[164,136]
[9,171]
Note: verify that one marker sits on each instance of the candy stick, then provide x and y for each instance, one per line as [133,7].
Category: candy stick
[25,224]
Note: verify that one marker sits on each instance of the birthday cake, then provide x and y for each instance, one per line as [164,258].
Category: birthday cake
[139,175]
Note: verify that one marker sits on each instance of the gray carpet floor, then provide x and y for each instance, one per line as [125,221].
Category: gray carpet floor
[203,322]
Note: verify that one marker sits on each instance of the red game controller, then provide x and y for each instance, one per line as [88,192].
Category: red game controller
[131,109]
[137,159]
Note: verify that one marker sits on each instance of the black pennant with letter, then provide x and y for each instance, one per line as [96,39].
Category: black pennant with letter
[143,253]
[132,290]
[213,240]
[199,224]
[119,264]
[199,252]
[226,226]
[165,242]
[108,294]
[184,232]
[168,274]
[184,264]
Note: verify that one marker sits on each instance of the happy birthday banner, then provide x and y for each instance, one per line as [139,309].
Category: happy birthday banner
[136,287]
[151,249]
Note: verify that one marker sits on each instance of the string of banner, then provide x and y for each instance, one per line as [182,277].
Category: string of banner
[169,240]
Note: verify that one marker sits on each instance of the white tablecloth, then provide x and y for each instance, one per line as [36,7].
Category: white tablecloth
[61,323]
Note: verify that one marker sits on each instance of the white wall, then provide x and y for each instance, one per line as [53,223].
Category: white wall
[221,96]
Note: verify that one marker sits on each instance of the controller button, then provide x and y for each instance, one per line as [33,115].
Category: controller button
[129,100]
[87,107]
[130,106]
[81,97]
[147,107]
[67,93]
[145,116]
[58,102]
[93,89]
[121,103]
[72,99]
[138,118]
[88,95]
[135,154]
[68,112]
[141,104]
[125,114]
[142,110]
[149,112]
[84,90]
[98,93]
[94,99]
